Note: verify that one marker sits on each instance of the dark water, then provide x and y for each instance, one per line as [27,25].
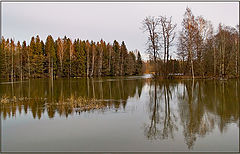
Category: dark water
[120,114]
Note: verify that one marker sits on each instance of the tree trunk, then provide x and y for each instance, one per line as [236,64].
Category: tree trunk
[122,65]
[93,89]
[21,74]
[6,65]
[167,59]
[52,70]
[236,58]
[12,67]
[192,63]
[70,58]
[223,55]
[220,61]
[88,87]
[109,63]
[155,62]
[92,73]
[87,62]
[49,66]
[214,61]
[61,68]
[100,63]
[165,55]
[29,74]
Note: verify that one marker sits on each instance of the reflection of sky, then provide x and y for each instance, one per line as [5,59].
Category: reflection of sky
[110,130]
[109,21]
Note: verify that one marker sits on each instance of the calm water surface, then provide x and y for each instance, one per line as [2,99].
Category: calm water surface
[120,114]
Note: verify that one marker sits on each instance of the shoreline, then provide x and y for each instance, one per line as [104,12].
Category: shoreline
[182,77]
[172,77]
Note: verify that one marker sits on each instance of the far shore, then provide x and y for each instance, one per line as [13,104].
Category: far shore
[196,77]
[170,77]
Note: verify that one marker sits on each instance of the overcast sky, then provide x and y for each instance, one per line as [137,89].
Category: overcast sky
[109,21]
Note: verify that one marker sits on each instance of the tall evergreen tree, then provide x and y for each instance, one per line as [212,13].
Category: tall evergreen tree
[139,64]
[123,59]
[116,59]
[51,56]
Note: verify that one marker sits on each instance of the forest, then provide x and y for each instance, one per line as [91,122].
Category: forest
[201,51]
[64,58]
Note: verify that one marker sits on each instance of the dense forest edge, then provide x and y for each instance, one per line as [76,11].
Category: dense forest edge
[64,58]
[202,52]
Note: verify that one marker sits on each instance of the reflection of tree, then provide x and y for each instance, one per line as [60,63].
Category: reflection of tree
[151,131]
[162,125]
[63,96]
[170,119]
[202,104]
[190,113]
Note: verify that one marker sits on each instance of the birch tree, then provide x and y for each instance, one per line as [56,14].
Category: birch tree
[187,37]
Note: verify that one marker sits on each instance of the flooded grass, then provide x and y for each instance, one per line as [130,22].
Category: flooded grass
[77,103]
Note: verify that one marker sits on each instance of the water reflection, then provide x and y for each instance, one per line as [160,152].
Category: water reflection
[67,96]
[202,105]
[187,108]
[163,121]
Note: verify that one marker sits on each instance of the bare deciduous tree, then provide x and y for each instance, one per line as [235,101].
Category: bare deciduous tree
[168,36]
[150,26]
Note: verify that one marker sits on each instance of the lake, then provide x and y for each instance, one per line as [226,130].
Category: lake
[120,114]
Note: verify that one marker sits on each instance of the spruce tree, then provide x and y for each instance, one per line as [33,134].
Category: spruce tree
[139,64]
[116,58]
[50,56]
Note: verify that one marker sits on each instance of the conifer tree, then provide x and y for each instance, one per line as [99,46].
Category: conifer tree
[38,58]
[62,58]
[123,58]
[116,58]
[3,62]
[25,60]
[12,49]
[139,64]
[60,55]
[50,56]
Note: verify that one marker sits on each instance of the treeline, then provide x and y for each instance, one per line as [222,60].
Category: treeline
[201,50]
[64,58]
